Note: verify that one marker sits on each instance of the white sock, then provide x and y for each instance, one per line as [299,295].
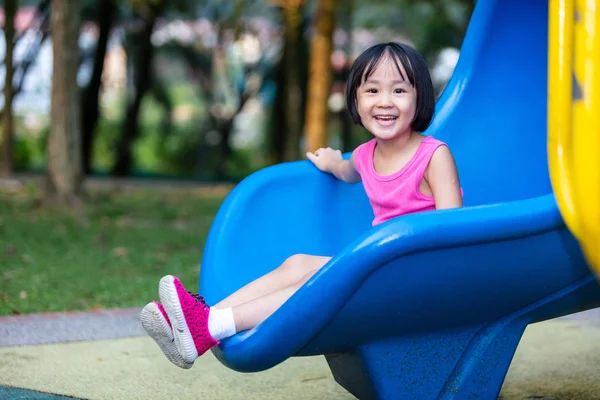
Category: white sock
[221,323]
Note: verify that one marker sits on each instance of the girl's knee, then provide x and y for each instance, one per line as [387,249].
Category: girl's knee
[307,276]
[297,265]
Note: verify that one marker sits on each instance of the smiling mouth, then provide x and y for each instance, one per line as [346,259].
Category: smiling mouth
[385,120]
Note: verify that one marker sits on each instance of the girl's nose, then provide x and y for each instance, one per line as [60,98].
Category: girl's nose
[384,100]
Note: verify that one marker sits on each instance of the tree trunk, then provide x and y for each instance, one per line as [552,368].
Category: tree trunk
[90,103]
[319,78]
[344,116]
[225,127]
[222,122]
[291,76]
[64,177]
[143,73]
[293,88]
[39,29]
[10,9]
[277,129]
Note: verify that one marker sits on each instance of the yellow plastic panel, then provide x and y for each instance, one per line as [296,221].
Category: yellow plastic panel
[586,128]
[573,126]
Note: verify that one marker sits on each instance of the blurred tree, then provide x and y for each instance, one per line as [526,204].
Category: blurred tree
[292,75]
[223,115]
[224,81]
[345,15]
[63,183]
[142,52]
[437,24]
[37,32]
[106,11]
[430,24]
[160,92]
[10,10]
[320,75]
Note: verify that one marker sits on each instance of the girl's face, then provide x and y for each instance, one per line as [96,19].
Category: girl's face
[386,103]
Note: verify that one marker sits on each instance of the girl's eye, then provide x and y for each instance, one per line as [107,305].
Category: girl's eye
[398,91]
[371,90]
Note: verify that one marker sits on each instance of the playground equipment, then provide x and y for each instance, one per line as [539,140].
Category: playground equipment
[573,118]
[431,305]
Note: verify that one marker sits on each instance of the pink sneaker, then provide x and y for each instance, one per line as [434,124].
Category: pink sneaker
[189,316]
[156,323]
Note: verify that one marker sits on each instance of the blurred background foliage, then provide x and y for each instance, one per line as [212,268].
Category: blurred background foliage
[205,90]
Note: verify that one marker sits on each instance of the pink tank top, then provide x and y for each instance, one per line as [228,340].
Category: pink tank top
[396,194]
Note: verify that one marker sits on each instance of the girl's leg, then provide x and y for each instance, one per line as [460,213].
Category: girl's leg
[252,313]
[292,271]
[197,327]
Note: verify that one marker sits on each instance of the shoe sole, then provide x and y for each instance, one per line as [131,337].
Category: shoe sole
[157,327]
[181,333]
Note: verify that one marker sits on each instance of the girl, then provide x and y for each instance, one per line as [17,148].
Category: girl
[389,92]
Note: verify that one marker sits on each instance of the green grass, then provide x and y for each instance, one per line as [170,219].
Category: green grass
[110,253]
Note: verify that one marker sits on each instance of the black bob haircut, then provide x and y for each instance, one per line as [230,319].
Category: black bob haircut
[405,57]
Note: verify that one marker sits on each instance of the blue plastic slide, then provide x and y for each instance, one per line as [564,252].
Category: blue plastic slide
[429,305]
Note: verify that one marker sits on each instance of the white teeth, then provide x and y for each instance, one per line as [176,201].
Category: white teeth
[386,118]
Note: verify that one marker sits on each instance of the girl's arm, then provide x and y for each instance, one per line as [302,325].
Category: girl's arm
[442,177]
[329,160]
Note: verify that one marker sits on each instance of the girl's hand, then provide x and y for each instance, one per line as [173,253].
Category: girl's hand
[325,159]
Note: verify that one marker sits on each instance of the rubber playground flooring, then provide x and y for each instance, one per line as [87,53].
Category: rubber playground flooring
[105,355]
